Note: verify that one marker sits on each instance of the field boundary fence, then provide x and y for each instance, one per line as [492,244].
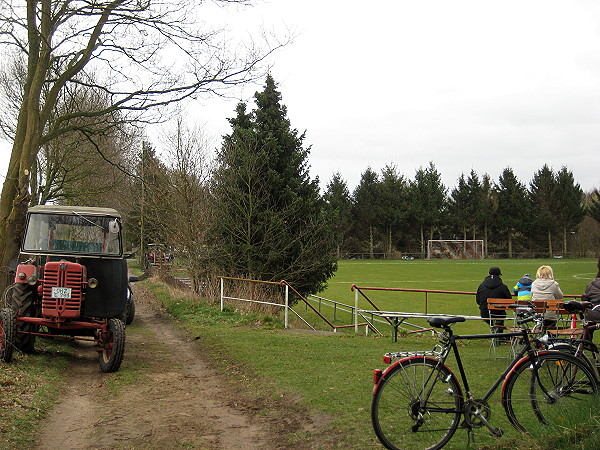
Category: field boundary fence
[253,295]
[371,319]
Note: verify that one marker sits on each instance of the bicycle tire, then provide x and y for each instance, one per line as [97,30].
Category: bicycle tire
[405,416]
[543,392]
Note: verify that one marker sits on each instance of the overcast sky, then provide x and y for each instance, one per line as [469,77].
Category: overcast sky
[477,84]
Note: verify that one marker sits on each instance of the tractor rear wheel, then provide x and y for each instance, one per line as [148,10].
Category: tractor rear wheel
[8,328]
[112,346]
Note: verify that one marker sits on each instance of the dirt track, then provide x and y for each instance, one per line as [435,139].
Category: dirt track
[167,396]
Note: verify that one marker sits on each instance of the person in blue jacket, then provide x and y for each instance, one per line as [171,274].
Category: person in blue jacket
[523,288]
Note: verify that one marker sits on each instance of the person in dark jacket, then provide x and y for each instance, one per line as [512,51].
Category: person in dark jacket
[592,290]
[492,287]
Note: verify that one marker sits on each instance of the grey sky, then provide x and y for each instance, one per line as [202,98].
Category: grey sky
[467,84]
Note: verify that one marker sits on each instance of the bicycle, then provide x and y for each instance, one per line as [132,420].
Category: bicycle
[582,348]
[418,402]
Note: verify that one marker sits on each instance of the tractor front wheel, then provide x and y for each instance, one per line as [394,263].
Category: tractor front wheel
[8,329]
[112,346]
[21,298]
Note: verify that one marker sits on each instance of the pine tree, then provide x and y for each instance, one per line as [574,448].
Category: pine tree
[428,201]
[392,206]
[594,207]
[543,204]
[458,204]
[489,208]
[570,205]
[339,204]
[364,212]
[512,197]
[271,220]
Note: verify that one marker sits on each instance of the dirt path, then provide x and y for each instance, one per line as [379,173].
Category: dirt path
[166,397]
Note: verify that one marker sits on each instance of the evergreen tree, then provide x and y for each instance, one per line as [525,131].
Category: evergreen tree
[428,201]
[339,204]
[570,206]
[364,211]
[474,205]
[512,196]
[594,207]
[543,203]
[271,220]
[392,206]
[489,208]
[458,205]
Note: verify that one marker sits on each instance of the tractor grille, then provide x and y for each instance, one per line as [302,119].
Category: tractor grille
[64,303]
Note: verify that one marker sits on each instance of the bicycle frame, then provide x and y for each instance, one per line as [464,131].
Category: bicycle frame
[526,350]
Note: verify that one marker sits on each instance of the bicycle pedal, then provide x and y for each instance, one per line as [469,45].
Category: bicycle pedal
[496,432]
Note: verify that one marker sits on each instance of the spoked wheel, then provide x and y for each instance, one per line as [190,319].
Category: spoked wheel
[8,326]
[416,405]
[20,298]
[112,346]
[548,391]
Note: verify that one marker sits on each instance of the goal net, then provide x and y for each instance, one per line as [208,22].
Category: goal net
[455,249]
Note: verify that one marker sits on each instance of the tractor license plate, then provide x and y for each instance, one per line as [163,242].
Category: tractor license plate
[61,292]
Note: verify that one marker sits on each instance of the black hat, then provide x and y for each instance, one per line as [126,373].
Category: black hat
[495,271]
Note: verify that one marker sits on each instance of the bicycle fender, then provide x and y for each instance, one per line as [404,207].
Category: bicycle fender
[400,361]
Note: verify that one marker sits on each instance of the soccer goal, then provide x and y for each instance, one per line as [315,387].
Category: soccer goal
[455,249]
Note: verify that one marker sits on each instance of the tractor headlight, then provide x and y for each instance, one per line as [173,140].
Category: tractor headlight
[92,283]
[32,280]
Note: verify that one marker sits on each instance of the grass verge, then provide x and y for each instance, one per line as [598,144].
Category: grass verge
[30,386]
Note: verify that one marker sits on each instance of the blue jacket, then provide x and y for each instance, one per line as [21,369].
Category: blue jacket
[523,288]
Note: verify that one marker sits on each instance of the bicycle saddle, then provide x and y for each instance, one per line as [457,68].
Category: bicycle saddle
[574,306]
[439,322]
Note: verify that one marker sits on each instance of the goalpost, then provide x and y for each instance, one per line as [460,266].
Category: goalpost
[455,249]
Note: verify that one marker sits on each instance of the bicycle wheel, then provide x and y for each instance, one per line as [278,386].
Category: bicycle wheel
[416,405]
[547,390]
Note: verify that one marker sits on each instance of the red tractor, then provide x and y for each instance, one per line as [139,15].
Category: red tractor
[73,284]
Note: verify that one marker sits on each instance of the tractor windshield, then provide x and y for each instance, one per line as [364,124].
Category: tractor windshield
[73,234]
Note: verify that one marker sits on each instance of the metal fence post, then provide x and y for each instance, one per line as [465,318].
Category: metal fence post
[287,306]
[356,311]
[222,294]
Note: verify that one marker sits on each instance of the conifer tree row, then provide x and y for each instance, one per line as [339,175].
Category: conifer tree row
[512,219]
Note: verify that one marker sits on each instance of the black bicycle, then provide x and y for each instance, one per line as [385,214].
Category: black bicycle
[418,401]
[582,347]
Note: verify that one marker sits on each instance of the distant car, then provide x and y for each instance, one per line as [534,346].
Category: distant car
[73,284]
[408,257]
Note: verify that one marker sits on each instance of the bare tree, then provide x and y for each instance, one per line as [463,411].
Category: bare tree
[150,54]
[187,213]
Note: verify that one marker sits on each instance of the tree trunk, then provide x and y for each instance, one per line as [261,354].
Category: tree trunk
[510,251]
[371,246]
[389,242]
[485,240]
[422,242]
[550,252]
[565,242]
